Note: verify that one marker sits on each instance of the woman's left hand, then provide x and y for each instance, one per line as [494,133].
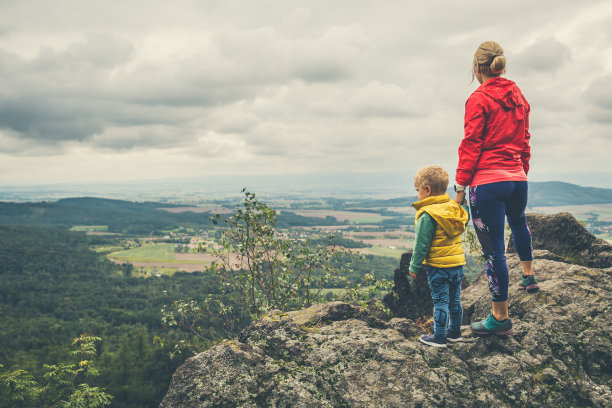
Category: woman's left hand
[460,197]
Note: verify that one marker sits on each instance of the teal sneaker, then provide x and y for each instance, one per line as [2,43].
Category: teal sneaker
[492,326]
[529,283]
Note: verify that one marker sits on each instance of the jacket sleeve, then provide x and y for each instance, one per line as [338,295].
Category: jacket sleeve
[471,145]
[424,233]
[526,154]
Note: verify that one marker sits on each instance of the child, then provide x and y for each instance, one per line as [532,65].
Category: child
[440,222]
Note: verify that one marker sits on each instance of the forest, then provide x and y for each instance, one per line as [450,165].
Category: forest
[53,288]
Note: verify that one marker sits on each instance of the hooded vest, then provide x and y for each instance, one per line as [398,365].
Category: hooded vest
[446,250]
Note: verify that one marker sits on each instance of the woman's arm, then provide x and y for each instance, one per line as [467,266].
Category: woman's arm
[526,154]
[471,145]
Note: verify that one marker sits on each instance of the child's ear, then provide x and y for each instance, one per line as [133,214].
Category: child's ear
[427,189]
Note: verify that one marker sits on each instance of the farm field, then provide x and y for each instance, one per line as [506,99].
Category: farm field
[382,251]
[163,257]
[397,234]
[146,253]
[205,209]
[353,217]
[90,228]
[408,210]
[334,228]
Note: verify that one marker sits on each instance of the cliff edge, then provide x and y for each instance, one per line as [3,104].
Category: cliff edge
[337,355]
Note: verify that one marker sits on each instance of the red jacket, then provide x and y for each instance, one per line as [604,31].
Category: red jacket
[496,130]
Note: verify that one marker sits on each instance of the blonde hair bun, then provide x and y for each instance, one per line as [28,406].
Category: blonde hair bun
[489,59]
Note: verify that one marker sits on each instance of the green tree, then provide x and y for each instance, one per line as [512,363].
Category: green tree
[64,384]
[269,272]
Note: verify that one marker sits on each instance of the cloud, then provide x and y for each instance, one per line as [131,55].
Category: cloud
[599,96]
[377,99]
[270,86]
[545,55]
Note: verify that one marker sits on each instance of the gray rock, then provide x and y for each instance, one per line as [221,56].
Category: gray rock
[337,355]
[410,298]
[563,235]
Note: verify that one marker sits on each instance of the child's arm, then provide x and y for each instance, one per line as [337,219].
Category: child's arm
[424,234]
[467,210]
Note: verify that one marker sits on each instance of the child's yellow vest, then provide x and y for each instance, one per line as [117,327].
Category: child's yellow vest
[446,250]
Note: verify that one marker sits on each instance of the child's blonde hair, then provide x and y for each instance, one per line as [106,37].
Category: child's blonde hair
[433,176]
[489,59]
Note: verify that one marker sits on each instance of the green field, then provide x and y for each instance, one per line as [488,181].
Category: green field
[147,253]
[106,248]
[147,272]
[390,252]
[96,228]
[370,219]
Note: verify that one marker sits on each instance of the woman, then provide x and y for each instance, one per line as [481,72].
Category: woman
[494,161]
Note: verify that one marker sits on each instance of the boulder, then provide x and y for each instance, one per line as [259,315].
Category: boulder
[410,297]
[563,235]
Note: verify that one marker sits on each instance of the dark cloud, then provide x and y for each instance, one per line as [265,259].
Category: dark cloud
[599,96]
[546,55]
[599,93]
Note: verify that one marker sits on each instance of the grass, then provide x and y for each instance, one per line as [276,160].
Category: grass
[148,253]
[370,220]
[147,272]
[96,228]
[106,248]
[390,252]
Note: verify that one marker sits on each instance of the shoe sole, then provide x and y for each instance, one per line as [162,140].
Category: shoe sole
[455,340]
[497,333]
[530,288]
[432,344]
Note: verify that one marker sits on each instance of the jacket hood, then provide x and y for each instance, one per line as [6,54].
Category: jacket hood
[446,212]
[503,91]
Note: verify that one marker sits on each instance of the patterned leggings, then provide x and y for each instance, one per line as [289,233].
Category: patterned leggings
[489,203]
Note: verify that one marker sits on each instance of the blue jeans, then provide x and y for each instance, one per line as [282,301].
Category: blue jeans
[445,288]
[489,204]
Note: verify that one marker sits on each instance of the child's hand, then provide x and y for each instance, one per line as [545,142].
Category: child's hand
[412,274]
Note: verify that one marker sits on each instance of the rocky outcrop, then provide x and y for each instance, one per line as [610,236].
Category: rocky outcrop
[338,355]
[565,236]
[409,298]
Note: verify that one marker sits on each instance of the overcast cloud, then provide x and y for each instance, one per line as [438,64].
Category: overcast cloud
[97,91]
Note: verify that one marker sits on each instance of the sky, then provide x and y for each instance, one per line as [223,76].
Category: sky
[104,92]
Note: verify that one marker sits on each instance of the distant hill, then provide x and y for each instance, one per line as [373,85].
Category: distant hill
[121,216]
[541,194]
[553,193]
